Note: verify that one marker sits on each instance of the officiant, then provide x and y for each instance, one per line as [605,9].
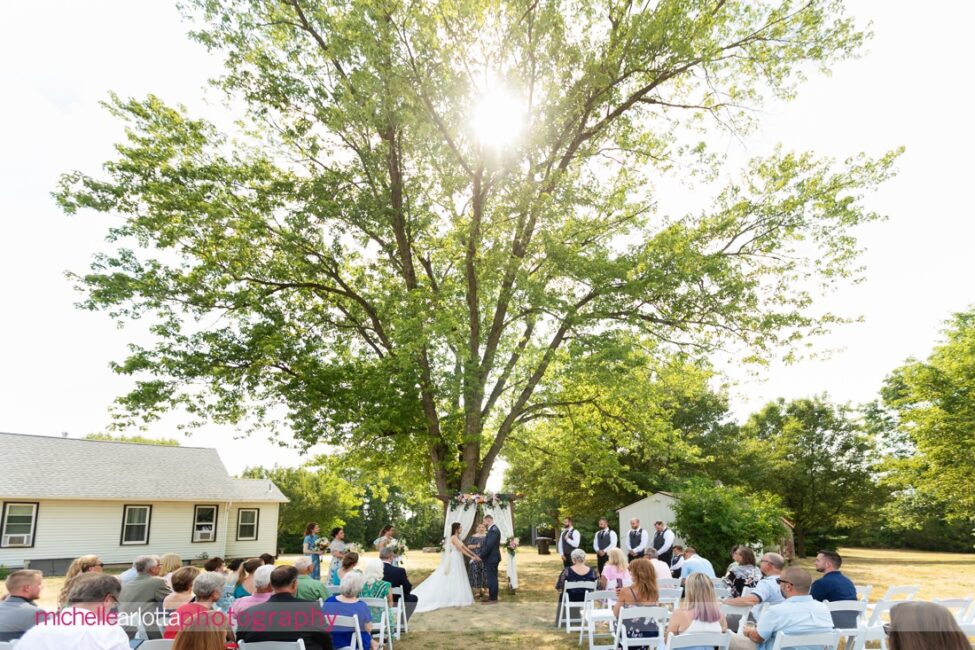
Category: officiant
[569,540]
[604,540]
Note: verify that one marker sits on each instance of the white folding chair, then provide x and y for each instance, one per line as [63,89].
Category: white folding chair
[565,612]
[824,640]
[346,624]
[274,645]
[660,616]
[731,610]
[902,592]
[6,645]
[384,626]
[668,583]
[722,592]
[594,612]
[157,644]
[399,612]
[670,597]
[857,606]
[718,640]
[957,606]
[863,592]
[880,608]
[717,582]
[866,634]
[333,590]
[968,629]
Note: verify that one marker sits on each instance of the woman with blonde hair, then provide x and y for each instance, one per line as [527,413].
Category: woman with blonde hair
[84,564]
[642,593]
[700,612]
[168,564]
[616,572]
[916,625]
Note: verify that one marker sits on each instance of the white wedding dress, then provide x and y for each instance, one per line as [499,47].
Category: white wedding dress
[448,586]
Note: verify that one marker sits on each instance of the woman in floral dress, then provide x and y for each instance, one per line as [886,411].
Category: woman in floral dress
[475,570]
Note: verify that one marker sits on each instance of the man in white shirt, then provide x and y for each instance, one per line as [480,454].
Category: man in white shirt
[660,569]
[604,540]
[767,591]
[88,622]
[636,541]
[569,540]
[663,541]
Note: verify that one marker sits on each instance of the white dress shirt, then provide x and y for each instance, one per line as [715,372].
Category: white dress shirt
[78,636]
[642,546]
[613,540]
[668,541]
[575,539]
[660,568]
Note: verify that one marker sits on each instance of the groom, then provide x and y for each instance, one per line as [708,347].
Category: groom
[490,554]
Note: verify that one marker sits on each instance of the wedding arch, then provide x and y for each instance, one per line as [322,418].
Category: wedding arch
[463,508]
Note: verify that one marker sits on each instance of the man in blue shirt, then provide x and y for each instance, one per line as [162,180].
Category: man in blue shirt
[694,563]
[767,591]
[834,587]
[797,614]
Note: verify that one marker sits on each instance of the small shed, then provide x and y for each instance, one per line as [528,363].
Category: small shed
[659,506]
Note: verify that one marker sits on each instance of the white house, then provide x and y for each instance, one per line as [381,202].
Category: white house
[62,497]
[659,506]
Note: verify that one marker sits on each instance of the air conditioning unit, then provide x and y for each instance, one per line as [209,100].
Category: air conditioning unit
[16,540]
[204,535]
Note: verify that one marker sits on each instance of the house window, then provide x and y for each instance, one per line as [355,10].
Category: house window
[247,524]
[204,523]
[17,525]
[135,524]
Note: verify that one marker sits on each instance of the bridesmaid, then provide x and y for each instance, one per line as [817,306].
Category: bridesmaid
[338,552]
[385,535]
[308,548]
[475,570]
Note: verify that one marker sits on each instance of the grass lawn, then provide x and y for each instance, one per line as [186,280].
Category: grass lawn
[524,620]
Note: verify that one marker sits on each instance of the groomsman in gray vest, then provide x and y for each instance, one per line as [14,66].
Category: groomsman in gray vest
[604,540]
[663,541]
[569,540]
[636,541]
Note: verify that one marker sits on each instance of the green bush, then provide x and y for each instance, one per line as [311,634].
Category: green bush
[713,518]
[4,572]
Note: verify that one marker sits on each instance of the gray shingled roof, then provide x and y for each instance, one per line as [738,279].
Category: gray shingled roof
[47,467]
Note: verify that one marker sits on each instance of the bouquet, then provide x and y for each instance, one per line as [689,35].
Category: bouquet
[321,544]
[398,547]
[353,548]
[513,545]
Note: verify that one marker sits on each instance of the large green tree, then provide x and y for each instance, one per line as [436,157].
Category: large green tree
[629,421]
[815,457]
[932,402]
[365,254]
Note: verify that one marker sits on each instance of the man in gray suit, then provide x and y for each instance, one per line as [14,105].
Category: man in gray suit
[18,612]
[144,595]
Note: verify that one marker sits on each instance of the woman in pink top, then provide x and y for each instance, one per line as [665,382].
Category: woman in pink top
[615,573]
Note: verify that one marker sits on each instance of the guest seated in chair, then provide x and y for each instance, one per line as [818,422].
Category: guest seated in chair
[275,620]
[207,588]
[93,596]
[916,625]
[396,577]
[616,573]
[347,603]
[700,612]
[262,585]
[308,587]
[797,614]
[144,594]
[18,613]
[576,572]
[642,593]
[182,583]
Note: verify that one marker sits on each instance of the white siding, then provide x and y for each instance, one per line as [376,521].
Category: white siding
[267,531]
[656,507]
[67,529]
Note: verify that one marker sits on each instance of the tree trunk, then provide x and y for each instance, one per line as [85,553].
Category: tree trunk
[800,542]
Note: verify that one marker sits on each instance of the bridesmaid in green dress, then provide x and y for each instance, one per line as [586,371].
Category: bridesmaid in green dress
[337,547]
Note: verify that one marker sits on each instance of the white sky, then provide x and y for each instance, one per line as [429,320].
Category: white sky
[59,59]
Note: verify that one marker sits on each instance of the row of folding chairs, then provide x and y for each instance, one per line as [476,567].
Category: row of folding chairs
[396,613]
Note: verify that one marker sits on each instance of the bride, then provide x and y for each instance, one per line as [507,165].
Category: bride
[448,585]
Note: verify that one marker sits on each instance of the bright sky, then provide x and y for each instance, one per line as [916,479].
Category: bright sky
[61,58]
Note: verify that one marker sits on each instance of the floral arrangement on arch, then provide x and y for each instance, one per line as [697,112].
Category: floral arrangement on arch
[512,545]
[467,499]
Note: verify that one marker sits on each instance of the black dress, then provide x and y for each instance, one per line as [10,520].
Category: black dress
[563,584]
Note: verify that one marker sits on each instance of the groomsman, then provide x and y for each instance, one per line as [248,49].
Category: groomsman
[604,540]
[663,541]
[569,540]
[636,541]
